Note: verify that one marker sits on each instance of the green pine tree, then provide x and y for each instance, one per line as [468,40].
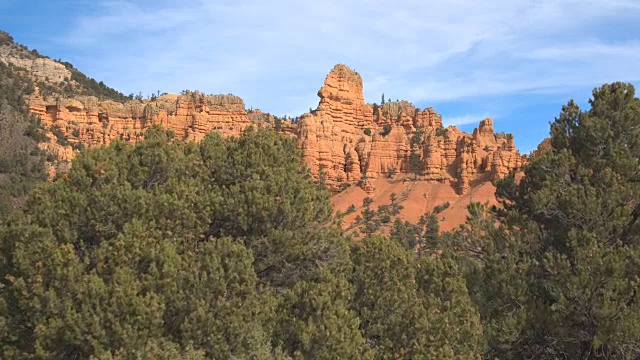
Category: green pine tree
[571,234]
[202,250]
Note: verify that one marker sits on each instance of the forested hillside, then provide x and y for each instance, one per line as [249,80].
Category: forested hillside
[22,71]
[21,161]
[53,77]
[226,249]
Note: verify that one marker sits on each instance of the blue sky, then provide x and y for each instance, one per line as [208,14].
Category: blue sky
[515,61]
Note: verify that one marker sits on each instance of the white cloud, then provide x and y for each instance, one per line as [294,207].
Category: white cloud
[275,54]
[464,119]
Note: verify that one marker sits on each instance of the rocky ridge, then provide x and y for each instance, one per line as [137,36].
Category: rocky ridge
[344,140]
[88,122]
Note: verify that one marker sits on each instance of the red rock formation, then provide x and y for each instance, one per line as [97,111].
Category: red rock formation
[484,135]
[344,140]
[87,121]
[333,138]
[388,153]
[435,160]
[545,145]
[348,140]
[428,118]
[505,162]
[342,99]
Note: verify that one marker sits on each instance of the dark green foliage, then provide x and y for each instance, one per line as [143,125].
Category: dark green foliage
[386,298]
[21,162]
[387,211]
[441,131]
[455,328]
[391,173]
[370,220]
[35,131]
[161,232]
[386,129]
[316,322]
[5,38]
[277,124]
[232,326]
[60,137]
[411,299]
[247,175]
[376,110]
[422,236]
[156,241]
[415,164]
[157,350]
[351,209]
[559,277]
[14,87]
[416,138]
[367,132]
[413,307]
[21,172]
[499,286]
[115,295]
[78,146]
[6,205]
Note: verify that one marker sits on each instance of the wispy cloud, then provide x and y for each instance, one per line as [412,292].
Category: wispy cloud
[464,119]
[270,53]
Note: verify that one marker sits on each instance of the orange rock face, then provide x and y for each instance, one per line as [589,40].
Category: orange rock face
[544,146]
[190,116]
[344,140]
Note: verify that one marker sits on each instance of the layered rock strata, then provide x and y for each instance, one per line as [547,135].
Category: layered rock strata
[89,122]
[344,140]
[347,140]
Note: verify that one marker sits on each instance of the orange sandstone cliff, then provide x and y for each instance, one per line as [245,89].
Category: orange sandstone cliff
[344,141]
[89,122]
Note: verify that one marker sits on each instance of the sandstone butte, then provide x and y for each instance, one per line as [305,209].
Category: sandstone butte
[344,141]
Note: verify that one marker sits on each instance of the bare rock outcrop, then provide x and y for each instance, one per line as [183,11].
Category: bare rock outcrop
[37,68]
[347,140]
[344,140]
[87,121]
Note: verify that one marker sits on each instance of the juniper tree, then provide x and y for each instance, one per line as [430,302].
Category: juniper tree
[575,216]
[177,246]
[413,307]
